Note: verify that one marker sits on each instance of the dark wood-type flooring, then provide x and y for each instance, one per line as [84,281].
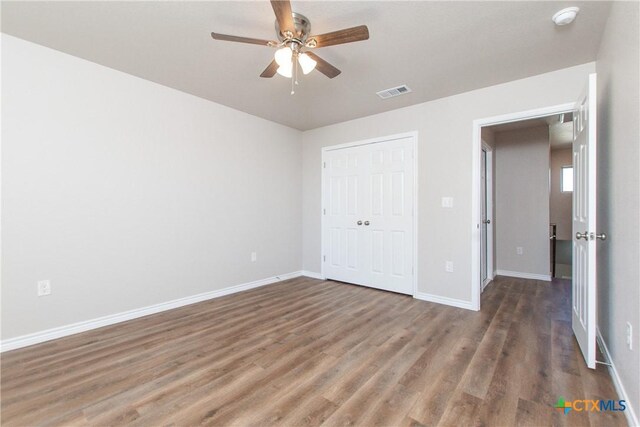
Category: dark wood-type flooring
[309,352]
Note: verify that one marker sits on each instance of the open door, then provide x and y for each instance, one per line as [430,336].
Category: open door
[584,222]
[486,205]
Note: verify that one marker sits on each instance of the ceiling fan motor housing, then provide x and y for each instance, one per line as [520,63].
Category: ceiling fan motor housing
[303,29]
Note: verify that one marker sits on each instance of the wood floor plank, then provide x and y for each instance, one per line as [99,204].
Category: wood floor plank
[307,352]
[314,413]
[433,400]
[532,414]
[375,391]
[463,409]
[568,385]
[391,408]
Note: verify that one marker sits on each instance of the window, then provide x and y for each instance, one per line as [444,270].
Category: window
[566,179]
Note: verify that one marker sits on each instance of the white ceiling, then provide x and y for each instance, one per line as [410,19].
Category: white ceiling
[436,48]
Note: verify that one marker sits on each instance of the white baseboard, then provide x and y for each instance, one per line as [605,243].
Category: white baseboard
[74,328]
[544,277]
[487,283]
[632,419]
[443,300]
[312,274]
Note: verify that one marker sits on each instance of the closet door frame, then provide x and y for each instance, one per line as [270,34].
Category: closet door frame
[413,135]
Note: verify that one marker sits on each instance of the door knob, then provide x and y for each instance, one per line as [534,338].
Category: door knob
[601,236]
[584,236]
[366,223]
[359,222]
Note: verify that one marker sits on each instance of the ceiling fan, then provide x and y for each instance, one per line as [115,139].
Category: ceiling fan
[293,31]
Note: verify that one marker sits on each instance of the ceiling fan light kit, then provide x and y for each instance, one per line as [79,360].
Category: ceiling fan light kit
[306,63]
[293,32]
[285,71]
[283,56]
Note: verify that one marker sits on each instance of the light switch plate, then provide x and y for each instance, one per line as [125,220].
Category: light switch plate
[44,288]
[447,202]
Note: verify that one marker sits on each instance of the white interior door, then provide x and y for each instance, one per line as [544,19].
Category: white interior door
[368,215]
[345,175]
[486,226]
[483,225]
[584,223]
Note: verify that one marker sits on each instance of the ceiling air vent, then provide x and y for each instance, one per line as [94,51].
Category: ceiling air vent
[394,91]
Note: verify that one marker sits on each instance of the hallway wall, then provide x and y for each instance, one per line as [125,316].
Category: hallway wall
[560,203]
[522,200]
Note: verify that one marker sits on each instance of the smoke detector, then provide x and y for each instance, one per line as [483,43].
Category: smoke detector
[565,16]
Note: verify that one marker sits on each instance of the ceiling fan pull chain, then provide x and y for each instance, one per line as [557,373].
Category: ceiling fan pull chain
[294,78]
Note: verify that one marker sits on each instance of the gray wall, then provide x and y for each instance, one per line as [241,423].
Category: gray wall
[125,193]
[445,128]
[560,204]
[522,200]
[619,191]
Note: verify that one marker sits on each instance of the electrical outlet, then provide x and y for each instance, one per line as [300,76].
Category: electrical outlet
[448,266]
[629,331]
[44,288]
[254,257]
[519,250]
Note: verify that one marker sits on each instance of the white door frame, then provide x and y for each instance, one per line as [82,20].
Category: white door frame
[489,196]
[414,139]
[476,208]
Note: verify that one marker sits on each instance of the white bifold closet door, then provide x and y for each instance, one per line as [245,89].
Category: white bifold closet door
[368,224]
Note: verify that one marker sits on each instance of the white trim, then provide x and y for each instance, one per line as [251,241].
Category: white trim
[312,274]
[489,196]
[630,413]
[376,140]
[476,147]
[414,136]
[544,277]
[416,172]
[87,325]
[443,300]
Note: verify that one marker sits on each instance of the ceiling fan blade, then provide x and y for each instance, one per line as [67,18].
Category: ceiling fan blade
[282,9]
[323,66]
[271,69]
[229,38]
[347,35]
